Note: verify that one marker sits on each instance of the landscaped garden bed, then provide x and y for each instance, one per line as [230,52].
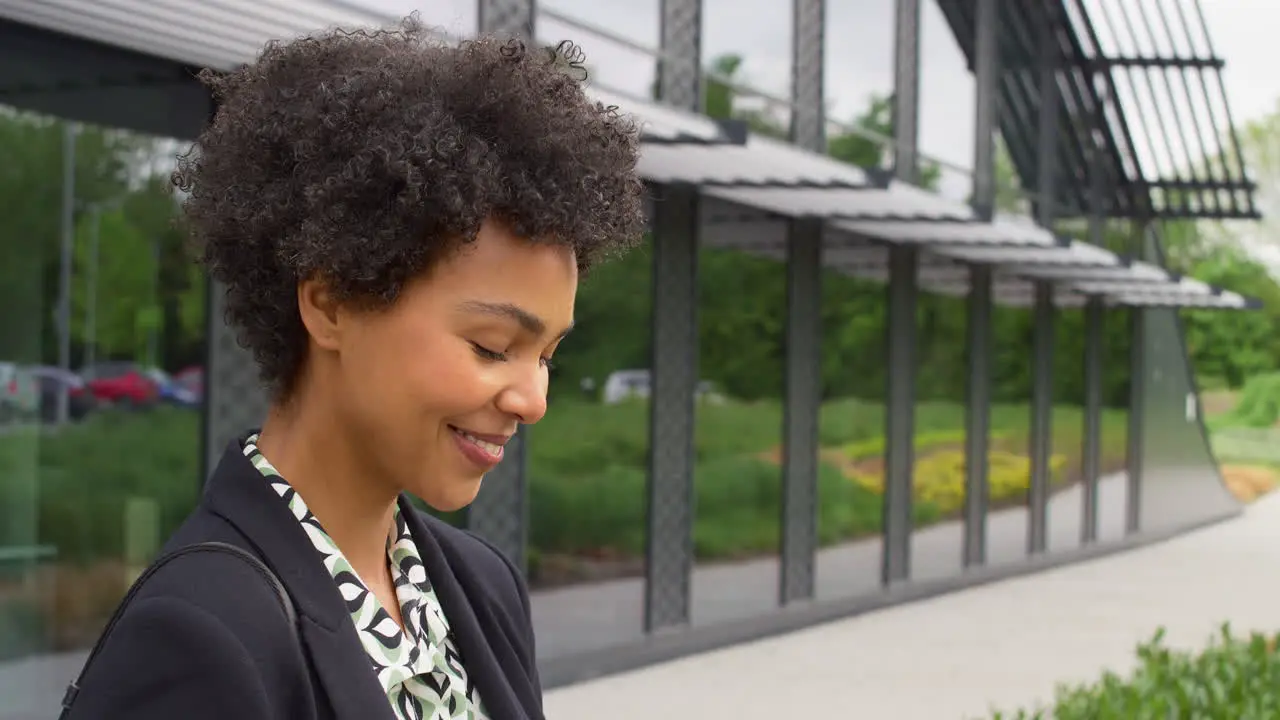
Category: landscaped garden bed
[588,466]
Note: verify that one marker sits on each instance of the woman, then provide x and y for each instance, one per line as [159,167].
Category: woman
[400,227]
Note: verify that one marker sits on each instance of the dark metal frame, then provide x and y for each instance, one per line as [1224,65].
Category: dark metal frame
[980,301]
[1079,36]
[803,391]
[674,365]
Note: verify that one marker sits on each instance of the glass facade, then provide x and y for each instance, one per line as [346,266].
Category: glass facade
[102,327]
[107,423]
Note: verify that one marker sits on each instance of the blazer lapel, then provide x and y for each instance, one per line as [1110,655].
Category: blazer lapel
[345,673]
[238,493]
[482,665]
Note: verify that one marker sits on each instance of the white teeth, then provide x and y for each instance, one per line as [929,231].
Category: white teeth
[491,448]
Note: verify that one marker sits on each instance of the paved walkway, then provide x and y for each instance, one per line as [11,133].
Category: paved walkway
[956,656]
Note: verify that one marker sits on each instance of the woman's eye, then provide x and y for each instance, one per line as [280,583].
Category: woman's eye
[488,354]
[546,363]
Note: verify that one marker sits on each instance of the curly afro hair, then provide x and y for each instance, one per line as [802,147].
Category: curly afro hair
[364,157]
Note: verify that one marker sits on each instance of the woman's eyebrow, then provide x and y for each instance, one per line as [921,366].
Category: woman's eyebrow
[527,320]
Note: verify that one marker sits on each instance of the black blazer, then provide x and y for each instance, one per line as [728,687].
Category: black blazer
[205,638]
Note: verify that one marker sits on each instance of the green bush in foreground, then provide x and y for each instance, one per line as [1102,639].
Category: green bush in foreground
[1235,678]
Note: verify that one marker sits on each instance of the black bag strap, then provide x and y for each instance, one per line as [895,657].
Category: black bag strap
[286,603]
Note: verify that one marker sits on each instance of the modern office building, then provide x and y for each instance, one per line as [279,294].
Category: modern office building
[822,387]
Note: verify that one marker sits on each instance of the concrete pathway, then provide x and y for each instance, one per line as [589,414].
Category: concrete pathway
[956,656]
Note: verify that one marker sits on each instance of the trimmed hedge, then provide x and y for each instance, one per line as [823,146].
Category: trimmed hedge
[1235,678]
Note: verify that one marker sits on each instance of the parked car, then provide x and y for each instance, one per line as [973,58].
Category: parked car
[170,390]
[192,378]
[51,381]
[122,384]
[19,398]
[624,384]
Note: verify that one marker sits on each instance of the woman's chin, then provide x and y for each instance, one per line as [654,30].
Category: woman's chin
[454,496]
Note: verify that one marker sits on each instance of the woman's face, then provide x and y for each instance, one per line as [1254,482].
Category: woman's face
[435,385]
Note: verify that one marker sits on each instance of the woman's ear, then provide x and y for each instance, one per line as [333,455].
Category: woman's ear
[319,311]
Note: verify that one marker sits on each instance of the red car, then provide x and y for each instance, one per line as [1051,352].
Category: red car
[120,383]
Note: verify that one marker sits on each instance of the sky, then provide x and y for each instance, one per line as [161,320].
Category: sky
[859,54]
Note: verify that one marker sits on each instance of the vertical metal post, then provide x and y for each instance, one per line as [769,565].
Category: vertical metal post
[1047,150]
[906,91]
[986,107]
[234,400]
[900,401]
[1137,401]
[500,511]
[800,411]
[68,229]
[804,327]
[1092,450]
[1041,441]
[978,322]
[669,546]
[1041,418]
[680,69]
[977,435]
[674,365]
[902,294]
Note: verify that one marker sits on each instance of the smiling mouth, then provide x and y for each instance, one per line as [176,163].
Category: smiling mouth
[492,448]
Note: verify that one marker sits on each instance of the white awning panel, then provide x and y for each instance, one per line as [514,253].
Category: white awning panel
[219,34]
[870,203]
[1002,231]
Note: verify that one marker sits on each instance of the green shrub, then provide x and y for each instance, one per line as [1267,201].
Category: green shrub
[737,505]
[1259,404]
[597,514]
[588,465]
[1235,678]
[88,471]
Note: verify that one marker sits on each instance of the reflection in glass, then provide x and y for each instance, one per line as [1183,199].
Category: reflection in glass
[738,471]
[938,470]
[100,458]
[851,437]
[1009,469]
[588,463]
[1065,512]
[1112,493]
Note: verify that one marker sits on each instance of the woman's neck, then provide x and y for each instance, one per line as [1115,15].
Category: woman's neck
[320,462]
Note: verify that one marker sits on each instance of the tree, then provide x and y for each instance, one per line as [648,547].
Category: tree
[125,303]
[864,150]
[112,169]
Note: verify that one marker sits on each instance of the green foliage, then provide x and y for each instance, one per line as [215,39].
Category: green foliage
[1259,404]
[124,299]
[1235,678]
[741,340]
[87,472]
[588,466]
[137,297]
[867,149]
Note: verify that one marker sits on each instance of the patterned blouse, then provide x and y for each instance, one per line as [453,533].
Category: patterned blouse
[420,667]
